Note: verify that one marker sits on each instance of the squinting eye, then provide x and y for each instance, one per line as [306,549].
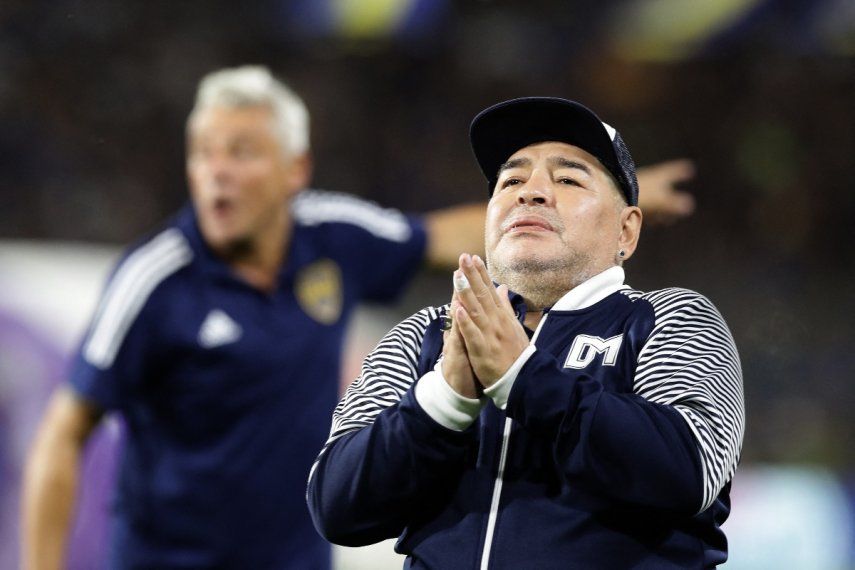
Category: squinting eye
[568,181]
[511,182]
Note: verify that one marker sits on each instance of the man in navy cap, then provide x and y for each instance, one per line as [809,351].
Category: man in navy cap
[550,416]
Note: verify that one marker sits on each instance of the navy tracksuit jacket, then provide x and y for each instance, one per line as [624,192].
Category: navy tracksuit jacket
[615,449]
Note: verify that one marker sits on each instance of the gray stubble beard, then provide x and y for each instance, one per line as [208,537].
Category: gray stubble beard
[542,282]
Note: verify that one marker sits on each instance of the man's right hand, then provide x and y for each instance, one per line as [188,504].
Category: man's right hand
[456,368]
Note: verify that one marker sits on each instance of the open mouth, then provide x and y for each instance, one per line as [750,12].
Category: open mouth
[222,206]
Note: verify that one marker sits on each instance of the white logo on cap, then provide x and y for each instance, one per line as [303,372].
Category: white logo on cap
[609,129]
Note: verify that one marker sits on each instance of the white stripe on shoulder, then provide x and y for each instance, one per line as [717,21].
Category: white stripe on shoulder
[129,289]
[315,207]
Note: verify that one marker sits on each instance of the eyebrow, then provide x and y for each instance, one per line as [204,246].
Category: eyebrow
[553,161]
[560,161]
[514,163]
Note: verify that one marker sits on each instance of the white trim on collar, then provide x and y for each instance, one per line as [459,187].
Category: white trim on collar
[593,290]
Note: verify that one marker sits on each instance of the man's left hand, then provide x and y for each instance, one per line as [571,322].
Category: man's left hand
[494,337]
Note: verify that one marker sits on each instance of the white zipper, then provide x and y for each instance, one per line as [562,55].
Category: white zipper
[497,486]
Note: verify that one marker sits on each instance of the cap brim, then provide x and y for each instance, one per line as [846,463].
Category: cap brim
[501,130]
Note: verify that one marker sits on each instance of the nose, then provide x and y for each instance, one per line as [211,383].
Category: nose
[219,167]
[536,190]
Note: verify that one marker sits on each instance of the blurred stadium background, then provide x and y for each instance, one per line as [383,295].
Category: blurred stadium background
[760,93]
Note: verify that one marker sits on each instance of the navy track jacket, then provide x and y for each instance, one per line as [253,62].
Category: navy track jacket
[610,443]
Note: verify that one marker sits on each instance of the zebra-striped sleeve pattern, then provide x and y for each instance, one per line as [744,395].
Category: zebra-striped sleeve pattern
[690,362]
[387,373]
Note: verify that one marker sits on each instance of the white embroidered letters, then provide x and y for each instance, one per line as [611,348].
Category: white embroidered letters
[586,347]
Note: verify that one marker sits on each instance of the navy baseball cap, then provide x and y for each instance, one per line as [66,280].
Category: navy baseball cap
[499,131]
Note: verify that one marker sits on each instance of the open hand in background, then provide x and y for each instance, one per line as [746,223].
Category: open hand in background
[661,202]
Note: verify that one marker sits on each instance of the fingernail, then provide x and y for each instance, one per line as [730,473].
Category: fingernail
[478,260]
[467,261]
[460,281]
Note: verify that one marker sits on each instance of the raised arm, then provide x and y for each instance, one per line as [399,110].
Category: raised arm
[51,479]
[453,230]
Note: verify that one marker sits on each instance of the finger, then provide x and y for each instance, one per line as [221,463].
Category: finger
[504,300]
[485,277]
[447,318]
[681,170]
[480,289]
[472,337]
[682,204]
[673,171]
[451,337]
[675,205]
[466,296]
[660,179]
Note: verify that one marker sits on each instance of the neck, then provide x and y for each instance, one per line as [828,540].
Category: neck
[532,317]
[543,289]
[258,260]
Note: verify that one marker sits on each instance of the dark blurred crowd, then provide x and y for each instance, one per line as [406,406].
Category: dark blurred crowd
[94,95]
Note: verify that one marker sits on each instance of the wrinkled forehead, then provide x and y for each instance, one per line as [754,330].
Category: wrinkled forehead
[555,154]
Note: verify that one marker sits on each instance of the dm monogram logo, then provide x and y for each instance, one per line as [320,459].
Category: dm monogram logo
[318,290]
[586,347]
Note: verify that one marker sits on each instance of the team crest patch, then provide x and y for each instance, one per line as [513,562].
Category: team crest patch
[319,292]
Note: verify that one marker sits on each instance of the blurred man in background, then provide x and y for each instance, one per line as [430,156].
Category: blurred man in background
[219,341]
[571,422]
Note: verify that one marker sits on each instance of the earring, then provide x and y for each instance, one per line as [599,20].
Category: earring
[621,253]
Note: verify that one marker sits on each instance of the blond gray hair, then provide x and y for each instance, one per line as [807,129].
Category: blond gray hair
[255,86]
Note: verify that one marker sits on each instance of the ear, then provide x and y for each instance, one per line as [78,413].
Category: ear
[299,172]
[630,230]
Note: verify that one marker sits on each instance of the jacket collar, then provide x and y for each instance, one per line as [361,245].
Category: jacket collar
[592,291]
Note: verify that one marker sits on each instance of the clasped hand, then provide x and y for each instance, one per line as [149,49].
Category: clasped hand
[485,337]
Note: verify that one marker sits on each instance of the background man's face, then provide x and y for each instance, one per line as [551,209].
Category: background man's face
[239,176]
[554,208]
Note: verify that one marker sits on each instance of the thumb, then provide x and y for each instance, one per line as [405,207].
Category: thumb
[504,301]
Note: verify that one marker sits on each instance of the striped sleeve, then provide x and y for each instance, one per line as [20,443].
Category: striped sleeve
[690,362]
[386,374]
[129,289]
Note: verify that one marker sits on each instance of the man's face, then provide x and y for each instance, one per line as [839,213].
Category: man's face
[554,210]
[240,178]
